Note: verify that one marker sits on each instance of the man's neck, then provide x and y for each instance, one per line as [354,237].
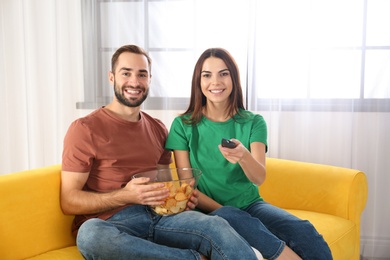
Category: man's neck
[131,114]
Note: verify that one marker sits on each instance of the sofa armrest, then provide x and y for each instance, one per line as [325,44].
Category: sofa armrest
[315,187]
[31,220]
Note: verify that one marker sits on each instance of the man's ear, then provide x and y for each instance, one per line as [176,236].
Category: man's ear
[111,77]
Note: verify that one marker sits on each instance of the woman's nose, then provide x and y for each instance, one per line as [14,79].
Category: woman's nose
[215,80]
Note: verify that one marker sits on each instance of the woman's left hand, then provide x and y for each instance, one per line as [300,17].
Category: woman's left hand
[193,201]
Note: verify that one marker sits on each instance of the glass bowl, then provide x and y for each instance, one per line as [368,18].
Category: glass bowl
[181,182]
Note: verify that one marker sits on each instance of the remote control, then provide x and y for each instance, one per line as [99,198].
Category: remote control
[227,143]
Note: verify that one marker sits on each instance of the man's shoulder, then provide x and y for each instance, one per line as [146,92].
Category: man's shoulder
[94,115]
[152,120]
[85,123]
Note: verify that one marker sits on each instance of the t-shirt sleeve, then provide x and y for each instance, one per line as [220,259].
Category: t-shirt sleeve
[166,158]
[259,131]
[78,153]
[177,139]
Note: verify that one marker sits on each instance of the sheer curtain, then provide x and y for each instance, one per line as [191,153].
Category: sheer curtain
[40,80]
[325,99]
[316,108]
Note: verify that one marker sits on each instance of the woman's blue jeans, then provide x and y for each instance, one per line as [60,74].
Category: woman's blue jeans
[268,228]
[137,233]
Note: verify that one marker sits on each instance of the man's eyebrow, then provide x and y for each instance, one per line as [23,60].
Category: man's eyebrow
[124,68]
[130,69]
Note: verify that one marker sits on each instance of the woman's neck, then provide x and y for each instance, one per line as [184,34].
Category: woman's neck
[216,112]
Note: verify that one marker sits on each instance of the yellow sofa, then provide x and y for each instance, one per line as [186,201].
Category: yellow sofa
[331,198]
[32,225]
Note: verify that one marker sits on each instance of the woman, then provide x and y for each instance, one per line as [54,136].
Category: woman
[231,176]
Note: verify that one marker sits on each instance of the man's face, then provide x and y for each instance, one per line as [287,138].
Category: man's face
[131,79]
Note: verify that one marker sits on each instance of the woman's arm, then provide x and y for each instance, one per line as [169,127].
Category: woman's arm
[205,203]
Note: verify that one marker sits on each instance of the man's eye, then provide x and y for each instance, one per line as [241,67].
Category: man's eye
[126,74]
[142,75]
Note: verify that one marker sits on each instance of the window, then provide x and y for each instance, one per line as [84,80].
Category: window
[317,55]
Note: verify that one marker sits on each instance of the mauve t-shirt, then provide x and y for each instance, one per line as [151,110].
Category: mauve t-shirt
[112,150]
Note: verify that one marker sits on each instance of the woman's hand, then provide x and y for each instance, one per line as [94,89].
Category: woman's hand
[234,155]
[193,200]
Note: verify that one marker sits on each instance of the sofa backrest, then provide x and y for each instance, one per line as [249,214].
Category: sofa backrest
[31,220]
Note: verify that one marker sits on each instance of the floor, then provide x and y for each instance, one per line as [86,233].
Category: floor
[374,258]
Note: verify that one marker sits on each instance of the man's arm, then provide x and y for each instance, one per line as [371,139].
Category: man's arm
[74,200]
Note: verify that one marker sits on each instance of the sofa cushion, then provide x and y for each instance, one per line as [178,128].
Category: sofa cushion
[339,233]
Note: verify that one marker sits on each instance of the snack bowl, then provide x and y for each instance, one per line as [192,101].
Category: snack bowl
[181,182]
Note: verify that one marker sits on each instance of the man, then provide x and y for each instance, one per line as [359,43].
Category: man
[102,151]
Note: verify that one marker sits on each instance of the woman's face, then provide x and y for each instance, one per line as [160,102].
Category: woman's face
[216,82]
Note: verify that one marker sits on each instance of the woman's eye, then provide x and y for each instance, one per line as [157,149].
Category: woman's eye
[224,74]
[205,75]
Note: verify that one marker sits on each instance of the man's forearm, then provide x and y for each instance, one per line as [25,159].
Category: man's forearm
[79,202]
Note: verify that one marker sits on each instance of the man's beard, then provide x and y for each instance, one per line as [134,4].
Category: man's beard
[129,102]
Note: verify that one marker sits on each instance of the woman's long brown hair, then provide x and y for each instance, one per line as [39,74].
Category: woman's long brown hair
[198,100]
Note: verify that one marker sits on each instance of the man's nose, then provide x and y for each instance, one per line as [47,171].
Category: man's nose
[133,79]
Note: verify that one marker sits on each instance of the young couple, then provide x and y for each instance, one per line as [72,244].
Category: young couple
[103,150]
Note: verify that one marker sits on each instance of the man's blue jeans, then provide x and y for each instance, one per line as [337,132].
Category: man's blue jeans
[268,229]
[137,233]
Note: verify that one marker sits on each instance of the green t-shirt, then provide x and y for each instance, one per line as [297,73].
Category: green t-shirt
[221,180]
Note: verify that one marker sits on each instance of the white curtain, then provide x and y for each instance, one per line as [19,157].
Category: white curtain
[42,79]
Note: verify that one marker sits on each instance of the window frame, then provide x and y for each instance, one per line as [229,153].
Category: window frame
[93,87]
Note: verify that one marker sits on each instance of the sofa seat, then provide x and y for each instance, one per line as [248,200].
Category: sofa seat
[70,252]
[338,232]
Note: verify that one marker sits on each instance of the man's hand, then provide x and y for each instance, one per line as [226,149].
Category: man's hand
[139,191]
[76,201]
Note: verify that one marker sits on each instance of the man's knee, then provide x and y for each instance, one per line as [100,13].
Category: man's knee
[89,233]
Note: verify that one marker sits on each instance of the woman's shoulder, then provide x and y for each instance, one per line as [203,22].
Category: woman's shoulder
[249,115]
[181,119]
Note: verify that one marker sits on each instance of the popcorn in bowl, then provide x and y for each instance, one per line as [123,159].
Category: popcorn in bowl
[181,182]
